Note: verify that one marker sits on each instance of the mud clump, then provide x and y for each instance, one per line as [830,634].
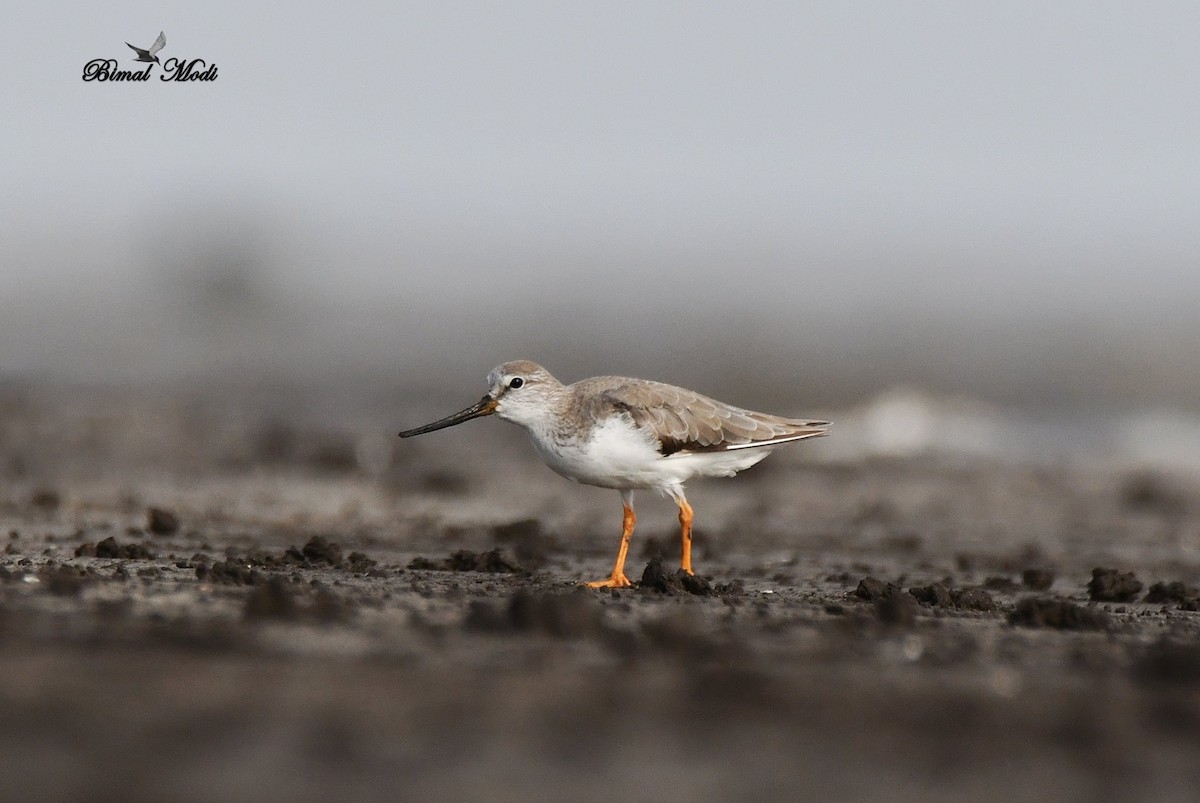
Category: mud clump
[973,599]
[1037,579]
[130,551]
[872,589]
[1059,614]
[161,521]
[967,599]
[358,562]
[936,595]
[657,579]
[317,551]
[111,548]
[464,560]
[1185,596]
[573,615]
[228,573]
[1109,585]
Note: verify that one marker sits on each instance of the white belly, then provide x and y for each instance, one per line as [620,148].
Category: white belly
[618,455]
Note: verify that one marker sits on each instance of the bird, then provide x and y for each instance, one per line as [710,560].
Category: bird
[151,53]
[630,434]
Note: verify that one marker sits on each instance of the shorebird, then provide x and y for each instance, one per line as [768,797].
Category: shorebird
[629,434]
[151,54]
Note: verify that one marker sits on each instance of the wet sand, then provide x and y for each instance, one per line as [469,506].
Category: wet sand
[205,600]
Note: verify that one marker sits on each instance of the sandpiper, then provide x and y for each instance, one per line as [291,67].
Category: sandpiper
[622,433]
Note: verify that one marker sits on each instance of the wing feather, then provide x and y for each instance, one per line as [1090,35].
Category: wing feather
[684,421]
[159,43]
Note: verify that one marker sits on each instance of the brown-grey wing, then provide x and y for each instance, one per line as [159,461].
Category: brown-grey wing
[685,421]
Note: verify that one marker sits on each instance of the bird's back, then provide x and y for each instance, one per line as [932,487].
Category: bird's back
[683,420]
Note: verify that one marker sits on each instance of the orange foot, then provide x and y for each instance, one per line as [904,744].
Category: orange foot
[614,581]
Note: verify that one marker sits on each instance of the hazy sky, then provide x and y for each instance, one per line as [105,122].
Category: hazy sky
[974,155]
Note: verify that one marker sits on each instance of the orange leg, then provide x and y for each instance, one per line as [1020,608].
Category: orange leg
[618,579]
[685,533]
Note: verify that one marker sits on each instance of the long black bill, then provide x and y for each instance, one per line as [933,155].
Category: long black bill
[485,406]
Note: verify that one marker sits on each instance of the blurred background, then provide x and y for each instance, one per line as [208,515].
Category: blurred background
[959,226]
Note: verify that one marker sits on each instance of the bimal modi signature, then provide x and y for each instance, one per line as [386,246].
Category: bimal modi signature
[175,69]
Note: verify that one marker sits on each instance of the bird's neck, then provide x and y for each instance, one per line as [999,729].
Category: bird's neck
[554,420]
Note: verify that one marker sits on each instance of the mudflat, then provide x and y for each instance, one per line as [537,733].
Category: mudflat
[209,600]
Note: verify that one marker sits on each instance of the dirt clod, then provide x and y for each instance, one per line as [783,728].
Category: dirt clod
[111,548]
[973,599]
[936,595]
[1177,592]
[316,551]
[358,562]
[870,589]
[1110,585]
[1059,614]
[228,573]
[656,578]
[464,560]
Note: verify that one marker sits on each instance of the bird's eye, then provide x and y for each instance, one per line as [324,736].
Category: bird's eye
[516,382]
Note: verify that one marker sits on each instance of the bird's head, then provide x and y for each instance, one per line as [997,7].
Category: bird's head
[519,391]
[524,392]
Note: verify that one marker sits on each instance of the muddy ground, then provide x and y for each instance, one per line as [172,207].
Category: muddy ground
[274,599]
